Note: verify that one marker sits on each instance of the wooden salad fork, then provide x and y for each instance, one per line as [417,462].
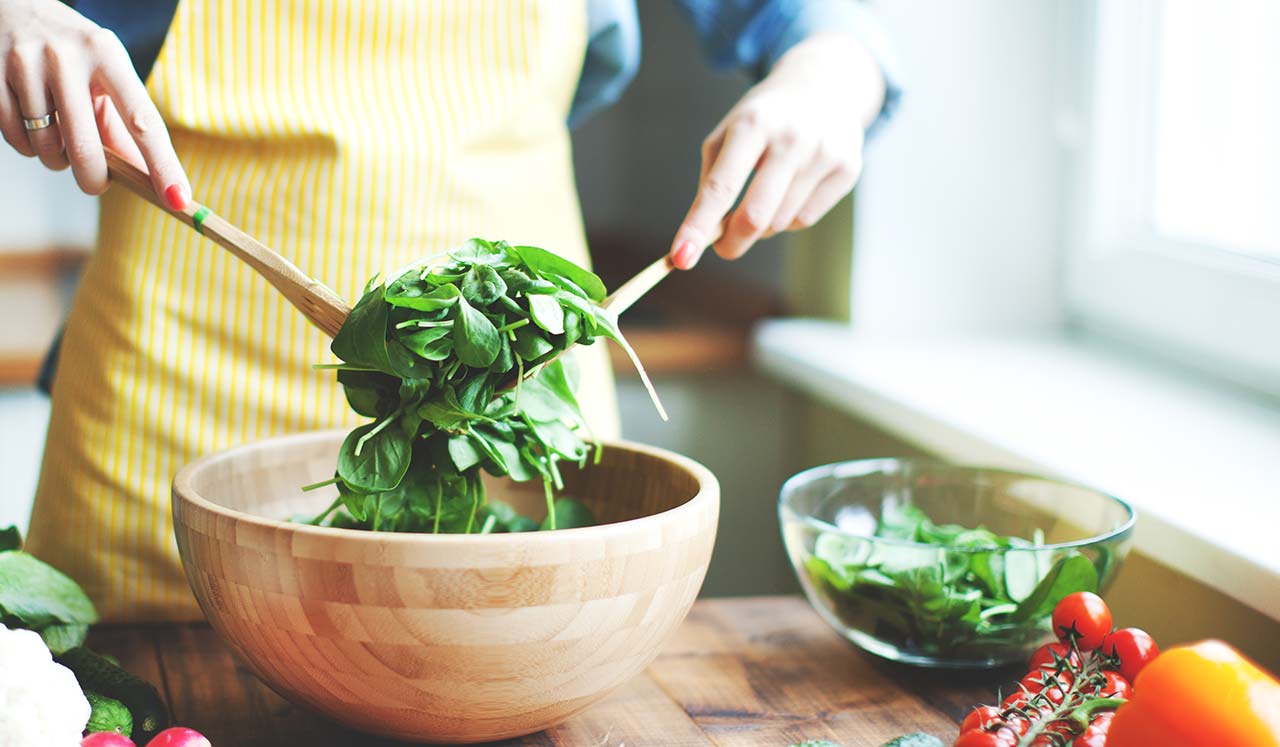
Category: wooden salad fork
[317,302]
[324,308]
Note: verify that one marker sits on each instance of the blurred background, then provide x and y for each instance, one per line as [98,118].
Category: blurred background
[1064,256]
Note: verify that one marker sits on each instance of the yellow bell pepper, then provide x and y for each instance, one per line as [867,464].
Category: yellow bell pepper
[1202,695]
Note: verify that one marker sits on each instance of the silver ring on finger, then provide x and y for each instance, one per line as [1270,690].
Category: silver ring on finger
[38,123]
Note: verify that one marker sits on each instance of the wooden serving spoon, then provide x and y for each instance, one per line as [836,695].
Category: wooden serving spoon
[645,280]
[313,298]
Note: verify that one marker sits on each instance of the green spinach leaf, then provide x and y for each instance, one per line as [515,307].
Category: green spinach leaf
[530,345]
[1070,574]
[362,341]
[36,595]
[432,343]
[374,457]
[475,339]
[569,514]
[62,637]
[410,292]
[544,262]
[547,313]
[483,285]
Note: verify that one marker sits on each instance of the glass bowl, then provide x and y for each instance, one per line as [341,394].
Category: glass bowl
[947,566]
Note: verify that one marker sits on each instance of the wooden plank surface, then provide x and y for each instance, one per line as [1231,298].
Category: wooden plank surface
[681,349]
[757,672]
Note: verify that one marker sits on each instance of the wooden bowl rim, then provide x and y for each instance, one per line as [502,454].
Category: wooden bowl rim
[707,496]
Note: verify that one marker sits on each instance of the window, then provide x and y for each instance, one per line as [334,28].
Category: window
[1176,193]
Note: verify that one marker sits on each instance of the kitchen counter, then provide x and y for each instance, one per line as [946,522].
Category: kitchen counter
[759,672]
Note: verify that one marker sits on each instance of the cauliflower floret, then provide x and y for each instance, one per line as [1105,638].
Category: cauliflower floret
[41,704]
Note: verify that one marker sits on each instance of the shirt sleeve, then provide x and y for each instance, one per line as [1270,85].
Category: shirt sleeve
[142,25]
[612,57]
[754,34]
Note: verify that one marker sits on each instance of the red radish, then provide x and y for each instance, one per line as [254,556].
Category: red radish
[106,739]
[179,736]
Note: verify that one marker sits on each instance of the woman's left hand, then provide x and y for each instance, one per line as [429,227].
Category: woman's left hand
[800,130]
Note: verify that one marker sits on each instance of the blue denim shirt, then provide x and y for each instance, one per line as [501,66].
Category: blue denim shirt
[745,34]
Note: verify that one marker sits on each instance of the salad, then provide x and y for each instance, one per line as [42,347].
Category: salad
[944,590]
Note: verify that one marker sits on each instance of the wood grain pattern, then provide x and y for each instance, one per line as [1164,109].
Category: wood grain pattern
[448,638]
[324,308]
[764,672]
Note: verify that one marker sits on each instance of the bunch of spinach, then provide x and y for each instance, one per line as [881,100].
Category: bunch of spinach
[431,356]
[959,591]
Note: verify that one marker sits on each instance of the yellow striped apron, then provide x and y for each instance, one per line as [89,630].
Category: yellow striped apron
[352,136]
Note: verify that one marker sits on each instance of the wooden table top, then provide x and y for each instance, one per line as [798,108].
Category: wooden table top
[754,672]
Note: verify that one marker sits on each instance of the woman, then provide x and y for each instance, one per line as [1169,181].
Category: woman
[353,137]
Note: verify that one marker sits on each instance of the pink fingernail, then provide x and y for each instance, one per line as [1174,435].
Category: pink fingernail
[177,197]
[686,254]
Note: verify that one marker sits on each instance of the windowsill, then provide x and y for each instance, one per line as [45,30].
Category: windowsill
[1199,464]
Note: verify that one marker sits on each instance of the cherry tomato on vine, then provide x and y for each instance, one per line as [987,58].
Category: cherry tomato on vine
[980,718]
[1084,616]
[1017,698]
[1017,721]
[985,739]
[1133,647]
[1043,658]
[1017,725]
[1096,734]
[1116,686]
[1054,686]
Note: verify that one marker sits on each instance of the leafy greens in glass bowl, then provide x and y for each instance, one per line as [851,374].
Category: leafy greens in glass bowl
[947,566]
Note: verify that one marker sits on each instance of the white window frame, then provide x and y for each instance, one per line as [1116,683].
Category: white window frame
[1206,306]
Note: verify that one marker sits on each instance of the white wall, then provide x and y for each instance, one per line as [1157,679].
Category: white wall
[24,415]
[958,214]
[41,208]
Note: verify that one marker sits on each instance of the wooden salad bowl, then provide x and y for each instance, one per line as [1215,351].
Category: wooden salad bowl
[444,638]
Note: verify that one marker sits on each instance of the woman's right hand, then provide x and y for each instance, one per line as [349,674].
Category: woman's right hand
[56,60]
